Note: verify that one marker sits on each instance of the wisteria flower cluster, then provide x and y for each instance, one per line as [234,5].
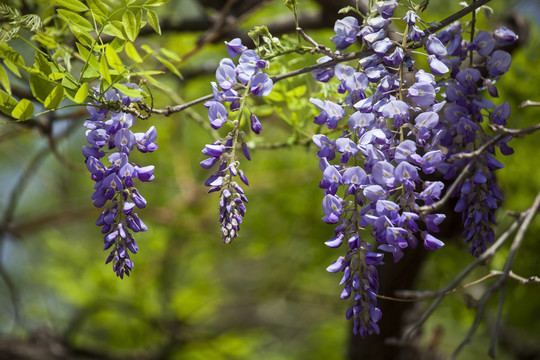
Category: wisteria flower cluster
[396,134]
[109,135]
[237,82]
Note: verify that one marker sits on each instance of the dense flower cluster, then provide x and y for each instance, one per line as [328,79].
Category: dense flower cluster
[397,133]
[109,135]
[465,112]
[237,82]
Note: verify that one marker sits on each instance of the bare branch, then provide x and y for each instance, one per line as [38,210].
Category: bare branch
[482,259]
[318,48]
[338,59]
[515,132]
[528,215]
[529,103]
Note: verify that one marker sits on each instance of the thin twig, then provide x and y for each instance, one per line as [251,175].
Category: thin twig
[477,152]
[515,132]
[415,295]
[318,48]
[529,103]
[528,215]
[426,209]
[506,271]
[338,59]
[482,259]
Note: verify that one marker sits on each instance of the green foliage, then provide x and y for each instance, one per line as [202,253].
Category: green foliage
[266,297]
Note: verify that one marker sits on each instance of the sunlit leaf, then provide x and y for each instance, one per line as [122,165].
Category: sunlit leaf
[55,97]
[74,5]
[104,69]
[23,110]
[75,19]
[153,20]
[4,80]
[130,25]
[113,59]
[131,51]
[81,94]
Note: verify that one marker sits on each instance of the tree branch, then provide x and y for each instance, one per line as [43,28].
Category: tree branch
[484,258]
[338,59]
[500,282]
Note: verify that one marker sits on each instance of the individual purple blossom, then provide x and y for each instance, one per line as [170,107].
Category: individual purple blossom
[387,8]
[261,85]
[410,18]
[434,46]
[226,77]
[437,67]
[498,63]
[323,74]
[422,93]
[255,124]
[346,31]
[235,47]
[416,34]
[217,115]
[483,43]
[504,36]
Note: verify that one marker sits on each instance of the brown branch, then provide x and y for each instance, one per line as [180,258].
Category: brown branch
[515,132]
[500,283]
[482,259]
[338,59]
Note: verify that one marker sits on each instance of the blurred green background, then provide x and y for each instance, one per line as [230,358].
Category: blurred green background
[266,296]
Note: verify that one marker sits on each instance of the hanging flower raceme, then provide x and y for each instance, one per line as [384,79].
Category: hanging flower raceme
[237,82]
[374,172]
[110,137]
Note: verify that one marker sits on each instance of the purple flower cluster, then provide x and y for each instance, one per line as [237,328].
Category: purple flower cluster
[373,174]
[236,81]
[465,112]
[398,133]
[109,135]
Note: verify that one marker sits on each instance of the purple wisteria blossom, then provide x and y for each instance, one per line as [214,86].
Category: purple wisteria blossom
[115,183]
[236,81]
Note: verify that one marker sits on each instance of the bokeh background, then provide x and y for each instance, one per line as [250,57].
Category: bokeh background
[266,296]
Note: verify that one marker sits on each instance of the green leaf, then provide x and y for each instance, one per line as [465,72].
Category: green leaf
[4,80]
[131,51]
[7,103]
[56,76]
[12,67]
[42,64]
[152,18]
[169,65]
[53,100]
[113,59]
[170,54]
[148,49]
[82,35]
[117,44]
[85,53]
[74,5]
[81,94]
[148,73]
[98,7]
[104,69]
[74,19]
[155,2]
[41,88]
[117,29]
[70,86]
[128,91]
[130,25]
[24,110]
